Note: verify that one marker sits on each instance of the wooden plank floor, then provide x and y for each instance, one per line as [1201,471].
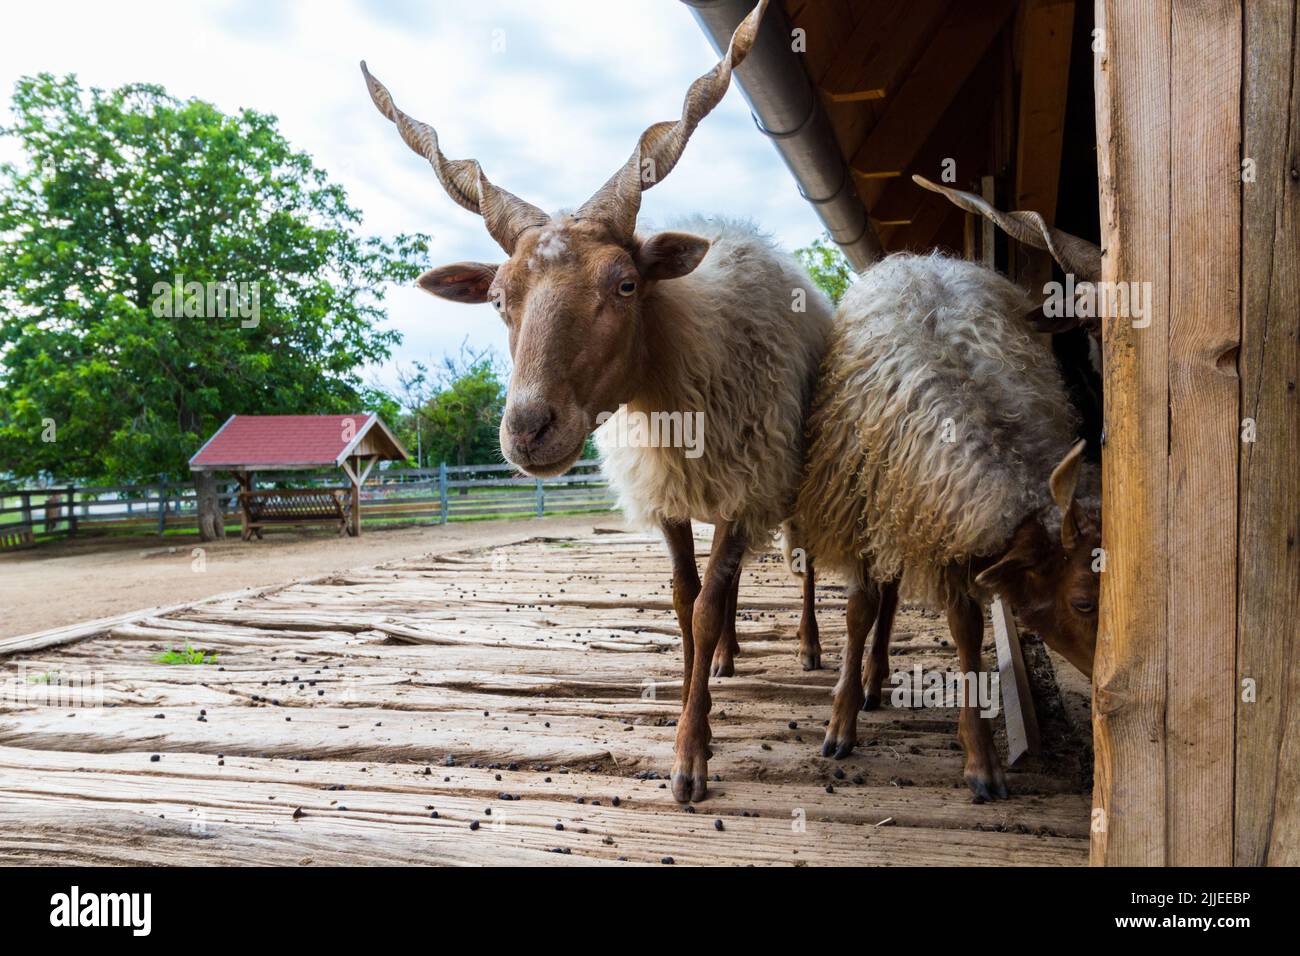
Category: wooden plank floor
[373,716]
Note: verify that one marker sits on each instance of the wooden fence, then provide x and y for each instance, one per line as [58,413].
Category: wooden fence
[399,495]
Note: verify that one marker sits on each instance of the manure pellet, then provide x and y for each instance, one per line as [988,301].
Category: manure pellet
[559,826]
[717,825]
[154,758]
[830,788]
[838,773]
[473,824]
[617,800]
[666,860]
[433,815]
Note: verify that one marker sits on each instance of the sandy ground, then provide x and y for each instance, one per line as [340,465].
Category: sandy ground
[82,579]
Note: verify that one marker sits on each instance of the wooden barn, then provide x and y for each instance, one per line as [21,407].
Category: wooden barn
[1168,134]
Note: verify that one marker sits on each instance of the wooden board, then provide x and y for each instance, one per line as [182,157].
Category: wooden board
[1267,791]
[1164,704]
[342,713]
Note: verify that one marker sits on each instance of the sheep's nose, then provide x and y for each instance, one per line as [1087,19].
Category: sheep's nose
[528,424]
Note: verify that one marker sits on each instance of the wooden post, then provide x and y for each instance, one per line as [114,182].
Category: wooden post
[1163,691]
[541,499]
[72,510]
[245,480]
[27,509]
[356,500]
[442,493]
[1267,691]
[162,505]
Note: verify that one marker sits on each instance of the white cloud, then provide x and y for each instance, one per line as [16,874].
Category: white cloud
[550,116]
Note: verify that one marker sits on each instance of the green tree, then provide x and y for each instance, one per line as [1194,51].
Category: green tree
[461,419]
[827,267]
[126,193]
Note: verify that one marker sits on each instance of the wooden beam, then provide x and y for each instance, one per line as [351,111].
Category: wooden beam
[1163,711]
[957,48]
[1044,81]
[1017,698]
[1204,339]
[1133,115]
[873,62]
[1046,31]
[1267,798]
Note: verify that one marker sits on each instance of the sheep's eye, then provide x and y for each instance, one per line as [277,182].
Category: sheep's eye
[1084,607]
[627,287]
[499,302]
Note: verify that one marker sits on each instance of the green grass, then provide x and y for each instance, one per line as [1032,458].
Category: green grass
[189,655]
[49,677]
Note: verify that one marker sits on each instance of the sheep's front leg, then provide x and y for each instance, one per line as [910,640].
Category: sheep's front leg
[691,769]
[724,658]
[810,647]
[878,659]
[842,731]
[983,765]
[686,588]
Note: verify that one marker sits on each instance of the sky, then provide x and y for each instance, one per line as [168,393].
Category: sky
[549,97]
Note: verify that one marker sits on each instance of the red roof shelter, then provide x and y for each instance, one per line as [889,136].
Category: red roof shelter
[246,444]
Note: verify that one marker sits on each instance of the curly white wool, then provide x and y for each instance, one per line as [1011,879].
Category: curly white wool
[728,340]
[938,418]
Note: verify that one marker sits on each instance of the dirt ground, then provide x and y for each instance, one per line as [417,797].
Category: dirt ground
[68,582]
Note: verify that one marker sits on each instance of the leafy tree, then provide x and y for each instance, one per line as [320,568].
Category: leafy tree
[461,419]
[827,267]
[126,193]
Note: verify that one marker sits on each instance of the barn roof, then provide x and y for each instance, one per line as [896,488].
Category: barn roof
[970,94]
[286,442]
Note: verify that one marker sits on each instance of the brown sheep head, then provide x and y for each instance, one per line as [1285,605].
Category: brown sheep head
[1050,580]
[572,289]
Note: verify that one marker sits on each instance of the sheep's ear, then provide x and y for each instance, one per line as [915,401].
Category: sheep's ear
[670,255]
[460,281]
[1022,556]
[1064,480]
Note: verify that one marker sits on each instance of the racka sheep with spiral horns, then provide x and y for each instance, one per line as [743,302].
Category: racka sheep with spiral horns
[709,319]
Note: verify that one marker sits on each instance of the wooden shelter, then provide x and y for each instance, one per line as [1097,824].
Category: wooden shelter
[1169,134]
[247,444]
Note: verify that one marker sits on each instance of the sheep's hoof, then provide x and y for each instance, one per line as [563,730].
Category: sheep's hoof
[810,660]
[723,667]
[842,731]
[690,778]
[987,784]
[872,702]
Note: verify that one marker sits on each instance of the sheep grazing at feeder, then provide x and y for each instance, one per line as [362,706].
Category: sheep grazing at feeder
[942,461]
[716,324]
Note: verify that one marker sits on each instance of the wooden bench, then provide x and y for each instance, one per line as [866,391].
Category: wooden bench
[294,506]
[16,537]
